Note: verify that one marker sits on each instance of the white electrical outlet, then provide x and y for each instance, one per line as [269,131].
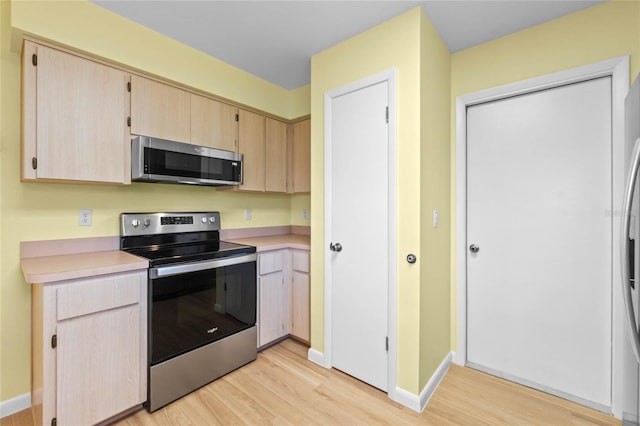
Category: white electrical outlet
[305,214]
[435,218]
[247,214]
[84,217]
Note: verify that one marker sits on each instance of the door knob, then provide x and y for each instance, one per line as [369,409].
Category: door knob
[473,248]
[337,247]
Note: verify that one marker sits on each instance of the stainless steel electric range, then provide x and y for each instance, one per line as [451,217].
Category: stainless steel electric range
[202,300]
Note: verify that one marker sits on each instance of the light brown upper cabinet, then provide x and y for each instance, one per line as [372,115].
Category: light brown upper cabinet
[276,156]
[263,143]
[159,110]
[213,124]
[251,137]
[166,112]
[74,118]
[80,114]
[301,157]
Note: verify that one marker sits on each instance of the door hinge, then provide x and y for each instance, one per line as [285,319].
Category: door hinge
[386,343]
[54,341]
[386,114]
[237,117]
[54,422]
[34,163]
[34,59]
[128,121]
[128,86]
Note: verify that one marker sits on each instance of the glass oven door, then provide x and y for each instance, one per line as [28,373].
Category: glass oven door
[195,304]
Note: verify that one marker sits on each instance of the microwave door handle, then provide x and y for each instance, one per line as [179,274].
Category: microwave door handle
[627,246]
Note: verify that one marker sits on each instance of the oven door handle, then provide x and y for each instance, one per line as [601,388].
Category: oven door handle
[166,271]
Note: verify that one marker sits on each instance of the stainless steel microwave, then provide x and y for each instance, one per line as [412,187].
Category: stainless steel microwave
[160,160]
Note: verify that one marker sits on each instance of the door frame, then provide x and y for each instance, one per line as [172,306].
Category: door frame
[618,70]
[389,77]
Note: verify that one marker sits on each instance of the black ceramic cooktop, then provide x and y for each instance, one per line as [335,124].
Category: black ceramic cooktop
[194,252]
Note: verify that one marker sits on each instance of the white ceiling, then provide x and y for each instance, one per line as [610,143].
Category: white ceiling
[275,40]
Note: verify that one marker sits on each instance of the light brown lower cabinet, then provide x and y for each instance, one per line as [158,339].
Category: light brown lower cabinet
[300,296]
[89,348]
[273,296]
[283,295]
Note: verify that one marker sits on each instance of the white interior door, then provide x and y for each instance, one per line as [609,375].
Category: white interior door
[359,216]
[539,210]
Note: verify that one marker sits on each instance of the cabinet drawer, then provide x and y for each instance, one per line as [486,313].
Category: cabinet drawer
[300,260]
[270,262]
[98,294]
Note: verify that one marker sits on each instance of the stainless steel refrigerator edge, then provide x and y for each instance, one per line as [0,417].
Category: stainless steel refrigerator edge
[631,259]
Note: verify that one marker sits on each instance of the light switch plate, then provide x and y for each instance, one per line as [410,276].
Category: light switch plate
[247,214]
[84,217]
[305,214]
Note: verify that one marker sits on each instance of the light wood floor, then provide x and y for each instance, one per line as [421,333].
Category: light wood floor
[281,387]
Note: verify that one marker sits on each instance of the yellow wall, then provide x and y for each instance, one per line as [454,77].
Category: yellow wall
[399,44]
[35,211]
[298,203]
[600,32]
[435,91]
[299,101]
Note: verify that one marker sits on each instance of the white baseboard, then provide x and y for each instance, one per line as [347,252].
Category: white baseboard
[317,357]
[435,380]
[401,396]
[419,402]
[407,399]
[628,418]
[12,406]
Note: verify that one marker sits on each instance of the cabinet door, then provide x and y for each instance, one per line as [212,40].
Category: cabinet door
[300,295]
[98,365]
[272,324]
[273,293]
[251,137]
[74,118]
[213,124]
[301,156]
[276,156]
[159,110]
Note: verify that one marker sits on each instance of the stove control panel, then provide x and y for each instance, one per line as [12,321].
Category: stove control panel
[167,223]
[178,220]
